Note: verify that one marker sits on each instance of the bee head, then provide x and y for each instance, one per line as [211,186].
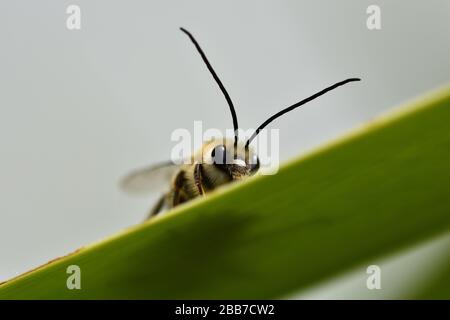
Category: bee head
[232,157]
[237,162]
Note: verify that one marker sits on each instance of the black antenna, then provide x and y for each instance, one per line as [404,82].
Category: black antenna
[219,83]
[298,104]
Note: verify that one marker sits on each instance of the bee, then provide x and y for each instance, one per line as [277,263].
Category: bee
[218,162]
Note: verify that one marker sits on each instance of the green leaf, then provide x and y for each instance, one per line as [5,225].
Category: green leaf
[379,189]
[438,287]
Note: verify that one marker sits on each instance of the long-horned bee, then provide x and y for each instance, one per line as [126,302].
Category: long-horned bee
[218,162]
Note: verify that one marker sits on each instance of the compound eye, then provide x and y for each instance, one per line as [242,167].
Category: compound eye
[219,155]
[254,163]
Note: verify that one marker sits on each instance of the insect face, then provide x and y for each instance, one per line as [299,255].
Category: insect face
[219,161]
[236,162]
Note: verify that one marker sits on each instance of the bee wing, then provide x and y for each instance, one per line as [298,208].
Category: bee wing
[151,179]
